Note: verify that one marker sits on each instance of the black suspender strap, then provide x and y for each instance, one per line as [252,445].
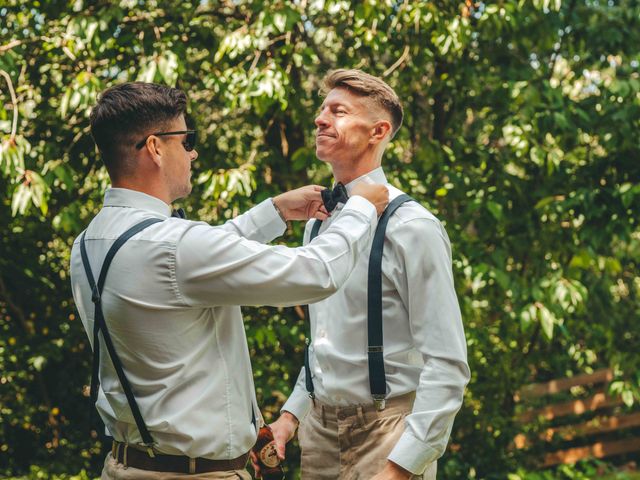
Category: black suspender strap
[377,381]
[308,381]
[99,325]
[315,228]
[375,349]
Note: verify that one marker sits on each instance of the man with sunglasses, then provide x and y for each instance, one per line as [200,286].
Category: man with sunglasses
[159,296]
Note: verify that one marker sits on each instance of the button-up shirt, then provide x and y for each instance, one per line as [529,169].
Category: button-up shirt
[424,343]
[171,305]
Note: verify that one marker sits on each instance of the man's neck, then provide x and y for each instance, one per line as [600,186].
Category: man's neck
[349,171]
[147,187]
[348,175]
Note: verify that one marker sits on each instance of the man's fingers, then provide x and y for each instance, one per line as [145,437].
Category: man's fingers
[313,196]
[280,448]
[320,215]
[254,463]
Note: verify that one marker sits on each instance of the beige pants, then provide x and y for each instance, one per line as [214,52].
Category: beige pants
[116,471]
[352,443]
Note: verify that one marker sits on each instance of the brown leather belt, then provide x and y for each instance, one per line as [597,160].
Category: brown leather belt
[133,456]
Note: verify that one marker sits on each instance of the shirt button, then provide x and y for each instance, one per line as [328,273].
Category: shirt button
[322,334]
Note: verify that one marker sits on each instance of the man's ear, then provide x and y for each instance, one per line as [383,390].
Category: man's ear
[381,129]
[154,149]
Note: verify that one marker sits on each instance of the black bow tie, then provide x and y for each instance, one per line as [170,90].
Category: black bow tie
[331,198]
[179,213]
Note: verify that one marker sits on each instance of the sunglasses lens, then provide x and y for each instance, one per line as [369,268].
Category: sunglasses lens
[190,141]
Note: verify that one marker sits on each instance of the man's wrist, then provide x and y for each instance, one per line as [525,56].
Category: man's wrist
[280,214]
[291,417]
[399,471]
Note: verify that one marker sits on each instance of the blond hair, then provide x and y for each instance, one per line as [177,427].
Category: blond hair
[366,85]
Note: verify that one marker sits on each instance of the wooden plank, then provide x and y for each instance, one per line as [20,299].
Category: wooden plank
[597,450]
[595,426]
[536,390]
[592,427]
[573,407]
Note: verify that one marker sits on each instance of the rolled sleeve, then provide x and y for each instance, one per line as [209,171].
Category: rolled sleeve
[413,454]
[298,403]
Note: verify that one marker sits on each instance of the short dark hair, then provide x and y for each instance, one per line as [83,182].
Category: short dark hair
[366,85]
[125,113]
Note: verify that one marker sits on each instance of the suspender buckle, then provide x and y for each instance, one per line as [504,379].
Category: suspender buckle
[374,349]
[380,402]
[149,447]
[95,295]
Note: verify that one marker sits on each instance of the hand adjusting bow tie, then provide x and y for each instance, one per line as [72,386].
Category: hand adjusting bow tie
[331,198]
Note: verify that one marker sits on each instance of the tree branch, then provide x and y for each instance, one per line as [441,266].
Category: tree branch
[14,101]
[400,61]
[10,45]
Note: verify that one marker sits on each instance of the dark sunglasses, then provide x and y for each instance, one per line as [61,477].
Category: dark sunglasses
[189,142]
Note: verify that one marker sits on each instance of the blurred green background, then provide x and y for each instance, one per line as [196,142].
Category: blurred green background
[521,134]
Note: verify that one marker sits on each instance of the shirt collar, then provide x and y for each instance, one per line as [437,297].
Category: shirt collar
[374,176]
[125,198]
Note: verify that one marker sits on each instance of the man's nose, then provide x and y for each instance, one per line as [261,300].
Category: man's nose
[321,119]
[194,154]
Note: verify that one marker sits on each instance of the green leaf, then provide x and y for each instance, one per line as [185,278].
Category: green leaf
[547,321]
[20,200]
[495,209]
[168,67]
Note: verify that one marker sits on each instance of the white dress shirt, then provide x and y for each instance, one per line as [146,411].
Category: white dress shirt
[424,343]
[171,305]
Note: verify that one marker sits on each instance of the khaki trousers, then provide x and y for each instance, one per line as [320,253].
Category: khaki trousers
[352,443]
[117,471]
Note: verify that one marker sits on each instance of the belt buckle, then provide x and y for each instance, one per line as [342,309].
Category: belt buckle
[380,402]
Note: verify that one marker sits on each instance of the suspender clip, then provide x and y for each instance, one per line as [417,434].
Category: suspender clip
[150,451]
[380,402]
[95,295]
[374,349]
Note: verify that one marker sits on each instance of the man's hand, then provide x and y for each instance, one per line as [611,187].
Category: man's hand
[302,203]
[392,471]
[375,193]
[283,430]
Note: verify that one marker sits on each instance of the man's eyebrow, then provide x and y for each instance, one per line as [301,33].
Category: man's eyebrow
[334,105]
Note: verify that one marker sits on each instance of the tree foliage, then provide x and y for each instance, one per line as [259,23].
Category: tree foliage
[521,134]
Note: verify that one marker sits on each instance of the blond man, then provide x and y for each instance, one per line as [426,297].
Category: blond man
[344,432]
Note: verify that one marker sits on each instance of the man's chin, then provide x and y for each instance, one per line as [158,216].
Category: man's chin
[322,154]
[184,193]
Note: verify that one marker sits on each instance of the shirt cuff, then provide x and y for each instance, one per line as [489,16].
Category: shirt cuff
[298,403]
[413,454]
[362,205]
[267,220]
